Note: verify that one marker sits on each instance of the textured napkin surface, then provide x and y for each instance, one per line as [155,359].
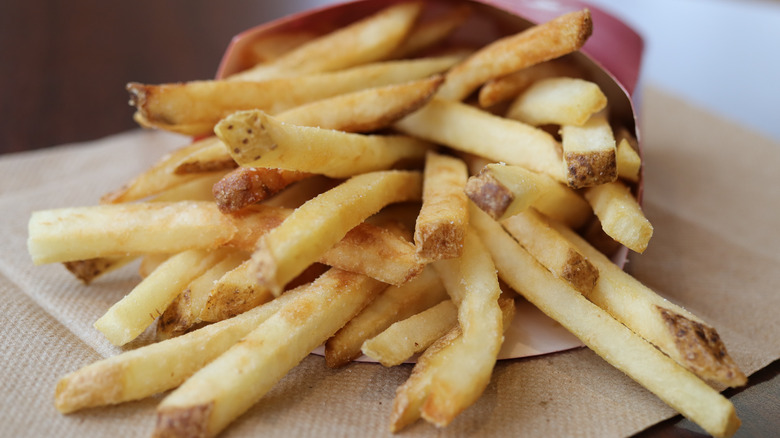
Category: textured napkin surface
[710,193]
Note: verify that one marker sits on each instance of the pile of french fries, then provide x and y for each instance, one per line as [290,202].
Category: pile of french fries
[366,189]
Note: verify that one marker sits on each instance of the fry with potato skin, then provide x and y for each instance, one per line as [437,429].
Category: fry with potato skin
[249,185]
[607,337]
[551,249]
[314,227]
[221,391]
[555,38]
[443,219]
[502,191]
[257,139]
[589,152]
[677,332]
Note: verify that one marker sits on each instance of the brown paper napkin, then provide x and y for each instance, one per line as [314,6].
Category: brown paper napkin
[711,195]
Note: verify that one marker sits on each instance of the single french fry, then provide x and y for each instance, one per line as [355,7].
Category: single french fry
[620,215]
[558,101]
[80,233]
[510,86]
[249,185]
[90,269]
[552,250]
[589,152]
[314,227]
[365,110]
[234,293]
[502,191]
[368,40]
[404,338]
[412,395]
[443,219]
[472,284]
[429,33]
[193,108]
[472,130]
[185,311]
[555,38]
[607,337]
[677,332]
[224,389]
[562,204]
[159,177]
[198,189]
[259,140]
[157,367]
[394,304]
[131,315]
[629,162]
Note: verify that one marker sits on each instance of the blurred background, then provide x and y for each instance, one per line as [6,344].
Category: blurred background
[64,64]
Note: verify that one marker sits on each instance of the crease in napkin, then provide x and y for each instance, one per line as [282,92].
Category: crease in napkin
[703,256]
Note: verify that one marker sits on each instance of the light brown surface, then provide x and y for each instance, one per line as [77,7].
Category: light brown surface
[715,251]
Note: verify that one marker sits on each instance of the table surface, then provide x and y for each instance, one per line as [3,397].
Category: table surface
[64,73]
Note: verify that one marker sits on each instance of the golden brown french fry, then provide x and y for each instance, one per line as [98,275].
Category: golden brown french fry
[131,315]
[677,332]
[412,395]
[157,367]
[402,339]
[443,219]
[589,152]
[90,269]
[193,108]
[224,389]
[539,43]
[394,304]
[472,130]
[620,215]
[313,228]
[603,334]
[510,86]
[552,250]
[502,191]
[259,140]
[185,311]
[159,177]
[99,231]
[429,33]
[368,40]
[365,110]
[249,185]
[472,284]
[558,101]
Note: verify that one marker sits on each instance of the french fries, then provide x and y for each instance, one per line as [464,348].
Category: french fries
[315,226]
[342,192]
[443,218]
[228,386]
